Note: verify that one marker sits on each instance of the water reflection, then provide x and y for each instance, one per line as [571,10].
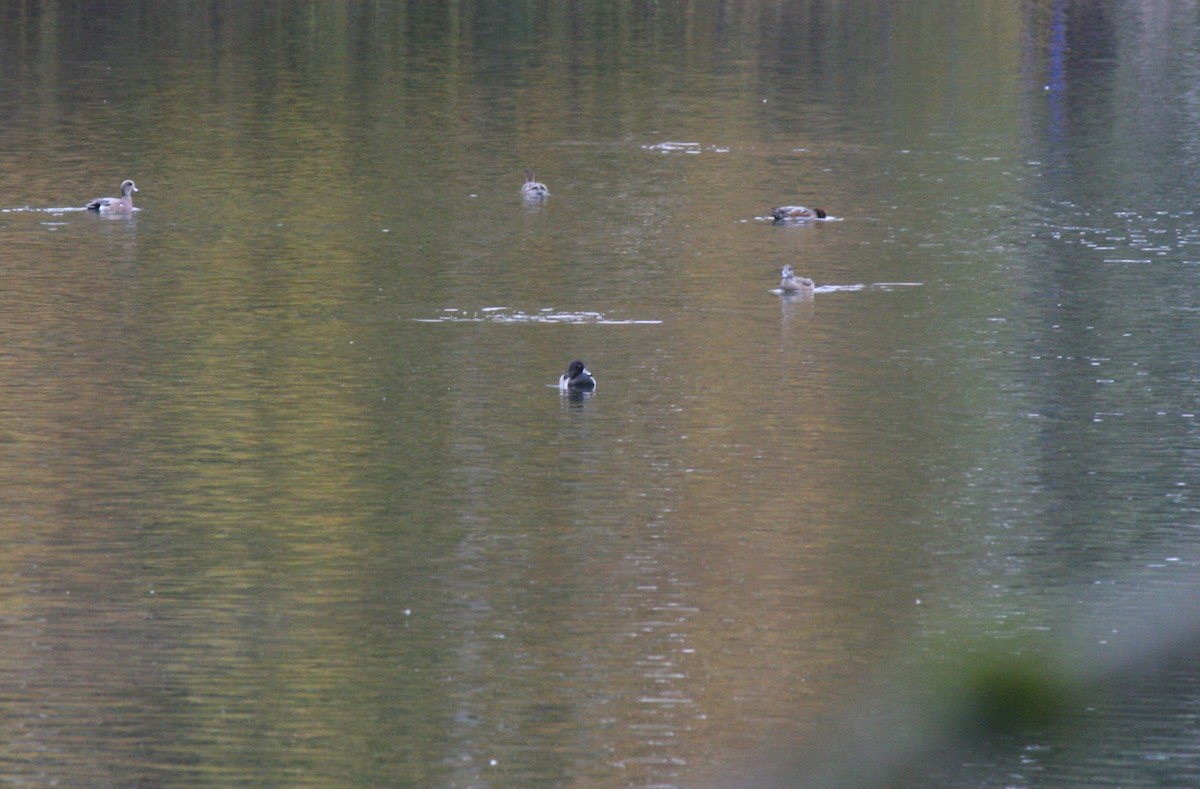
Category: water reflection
[543,315]
[576,397]
[291,495]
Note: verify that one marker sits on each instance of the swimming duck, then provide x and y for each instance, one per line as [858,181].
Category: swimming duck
[785,213]
[793,284]
[122,203]
[533,190]
[577,378]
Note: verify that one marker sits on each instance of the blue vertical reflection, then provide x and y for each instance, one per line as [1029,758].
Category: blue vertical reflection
[1056,84]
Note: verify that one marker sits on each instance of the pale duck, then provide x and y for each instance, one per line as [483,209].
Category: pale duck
[793,284]
[114,204]
[785,213]
[533,190]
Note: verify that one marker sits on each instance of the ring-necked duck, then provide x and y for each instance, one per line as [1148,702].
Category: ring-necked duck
[577,378]
[533,190]
[785,213]
[793,284]
[122,203]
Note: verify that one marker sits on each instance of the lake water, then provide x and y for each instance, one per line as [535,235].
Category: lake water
[290,497]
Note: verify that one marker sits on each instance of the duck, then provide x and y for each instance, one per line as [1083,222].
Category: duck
[114,204]
[793,284]
[533,190]
[577,378]
[786,213]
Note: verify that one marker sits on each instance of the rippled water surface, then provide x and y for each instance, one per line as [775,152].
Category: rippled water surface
[290,496]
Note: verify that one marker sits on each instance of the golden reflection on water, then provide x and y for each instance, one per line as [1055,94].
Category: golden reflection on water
[290,495]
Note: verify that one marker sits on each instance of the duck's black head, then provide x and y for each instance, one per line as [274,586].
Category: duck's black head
[578,377]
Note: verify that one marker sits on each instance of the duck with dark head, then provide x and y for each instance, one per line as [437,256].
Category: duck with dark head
[577,378]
